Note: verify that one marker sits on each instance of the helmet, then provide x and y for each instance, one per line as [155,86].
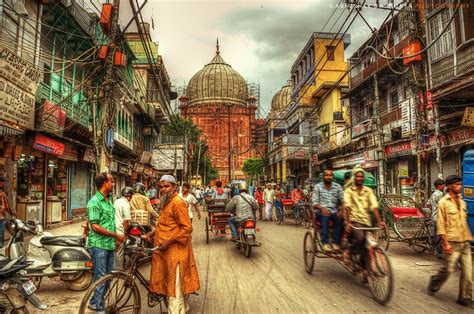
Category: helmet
[243,186]
[127,191]
[139,188]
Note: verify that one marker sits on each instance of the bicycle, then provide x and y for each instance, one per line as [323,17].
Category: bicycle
[288,209]
[122,293]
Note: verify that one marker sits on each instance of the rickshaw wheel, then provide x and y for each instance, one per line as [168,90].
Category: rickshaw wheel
[381,284]
[309,249]
[383,238]
[207,230]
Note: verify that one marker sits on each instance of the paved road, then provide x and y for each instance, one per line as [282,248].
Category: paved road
[273,280]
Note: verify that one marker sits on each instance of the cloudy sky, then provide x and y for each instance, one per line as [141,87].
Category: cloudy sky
[259,38]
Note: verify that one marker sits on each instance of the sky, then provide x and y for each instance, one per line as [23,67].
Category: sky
[259,38]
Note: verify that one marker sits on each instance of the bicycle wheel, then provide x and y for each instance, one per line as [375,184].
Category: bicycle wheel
[121,295]
[299,217]
[381,282]
[309,249]
[307,219]
[383,238]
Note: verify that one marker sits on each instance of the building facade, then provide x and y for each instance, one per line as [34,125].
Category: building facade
[218,101]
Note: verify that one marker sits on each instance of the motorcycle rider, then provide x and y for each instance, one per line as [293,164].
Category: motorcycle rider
[244,206]
[140,201]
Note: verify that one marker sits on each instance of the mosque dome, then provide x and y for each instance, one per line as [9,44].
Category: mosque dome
[217,82]
[282,98]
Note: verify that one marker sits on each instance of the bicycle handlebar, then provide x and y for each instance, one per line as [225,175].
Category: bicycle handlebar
[152,249]
[366,228]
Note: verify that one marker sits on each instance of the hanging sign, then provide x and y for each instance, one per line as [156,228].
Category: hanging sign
[468,117]
[70,152]
[89,156]
[403,168]
[18,84]
[48,145]
[52,118]
[399,149]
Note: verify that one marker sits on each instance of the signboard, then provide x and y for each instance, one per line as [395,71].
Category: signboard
[297,152]
[148,171]
[113,166]
[399,149]
[360,129]
[349,161]
[52,118]
[468,117]
[125,169]
[408,118]
[460,136]
[138,167]
[48,145]
[89,156]
[403,169]
[166,157]
[18,83]
[146,157]
[70,152]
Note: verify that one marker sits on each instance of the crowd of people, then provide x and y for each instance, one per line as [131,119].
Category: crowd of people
[345,208]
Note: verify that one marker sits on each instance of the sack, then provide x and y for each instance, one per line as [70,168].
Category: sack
[140,216]
[220,191]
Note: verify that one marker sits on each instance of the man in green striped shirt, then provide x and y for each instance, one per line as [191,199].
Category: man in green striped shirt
[103,237]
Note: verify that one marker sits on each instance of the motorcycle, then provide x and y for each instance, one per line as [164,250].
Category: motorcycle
[63,256]
[247,236]
[15,291]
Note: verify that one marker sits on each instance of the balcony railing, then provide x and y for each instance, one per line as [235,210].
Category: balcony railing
[444,70]
[76,110]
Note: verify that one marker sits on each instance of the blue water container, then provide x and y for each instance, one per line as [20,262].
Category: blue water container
[468,186]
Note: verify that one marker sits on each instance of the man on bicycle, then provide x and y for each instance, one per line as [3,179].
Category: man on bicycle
[359,201]
[297,196]
[328,198]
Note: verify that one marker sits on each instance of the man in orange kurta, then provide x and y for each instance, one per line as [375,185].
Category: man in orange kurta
[173,269]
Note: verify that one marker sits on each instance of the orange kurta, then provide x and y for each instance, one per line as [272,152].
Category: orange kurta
[174,223]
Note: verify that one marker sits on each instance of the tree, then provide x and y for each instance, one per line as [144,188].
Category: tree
[253,167]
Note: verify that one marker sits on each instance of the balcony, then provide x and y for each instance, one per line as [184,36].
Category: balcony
[445,71]
[379,64]
[295,139]
[76,106]
[123,138]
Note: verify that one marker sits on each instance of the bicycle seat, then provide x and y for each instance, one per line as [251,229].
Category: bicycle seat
[63,241]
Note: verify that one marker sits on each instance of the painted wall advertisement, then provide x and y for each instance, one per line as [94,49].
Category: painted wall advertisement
[408,118]
[18,83]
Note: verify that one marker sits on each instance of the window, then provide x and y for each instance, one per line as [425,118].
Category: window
[444,44]
[9,30]
[394,98]
[330,52]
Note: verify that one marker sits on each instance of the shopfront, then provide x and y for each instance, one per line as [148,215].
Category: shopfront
[401,169]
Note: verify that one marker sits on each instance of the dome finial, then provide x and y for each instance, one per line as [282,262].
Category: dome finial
[217,46]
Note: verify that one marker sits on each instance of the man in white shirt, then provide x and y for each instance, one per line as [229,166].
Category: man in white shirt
[198,194]
[190,199]
[122,217]
[269,198]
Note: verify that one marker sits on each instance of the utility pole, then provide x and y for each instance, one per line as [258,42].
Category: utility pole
[198,160]
[310,167]
[185,156]
[107,119]
[379,136]
[175,172]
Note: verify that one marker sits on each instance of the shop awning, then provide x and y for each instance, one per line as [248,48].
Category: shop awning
[6,130]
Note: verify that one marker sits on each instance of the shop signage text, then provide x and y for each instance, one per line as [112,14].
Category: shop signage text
[70,153]
[456,137]
[468,117]
[360,129]
[399,149]
[18,83]
[53,117]
[48,145]
[89,155]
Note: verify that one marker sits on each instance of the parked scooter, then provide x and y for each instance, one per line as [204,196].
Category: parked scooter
[16,292]
[247,236]
[63,256]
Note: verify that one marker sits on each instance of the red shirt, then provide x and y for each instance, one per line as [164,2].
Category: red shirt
[259,196]
[296,196]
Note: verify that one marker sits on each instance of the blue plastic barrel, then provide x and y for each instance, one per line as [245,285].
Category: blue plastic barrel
[468,186]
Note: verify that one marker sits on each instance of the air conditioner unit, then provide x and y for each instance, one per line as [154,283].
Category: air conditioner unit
[337,116]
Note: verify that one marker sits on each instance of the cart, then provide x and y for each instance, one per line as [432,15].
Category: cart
[217,219]
[410,224]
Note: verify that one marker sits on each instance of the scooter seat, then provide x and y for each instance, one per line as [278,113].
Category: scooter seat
[63,241]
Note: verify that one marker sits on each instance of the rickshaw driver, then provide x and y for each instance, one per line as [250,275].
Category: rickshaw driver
[359,200]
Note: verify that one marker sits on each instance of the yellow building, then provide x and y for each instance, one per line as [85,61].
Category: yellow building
[315,119]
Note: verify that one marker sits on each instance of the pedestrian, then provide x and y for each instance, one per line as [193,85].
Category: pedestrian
[4,208]
[259,197]
[279,194]
[140,202]
[103,237]
[219,193]
[122,219]
[152,192]
[173,269]
[297,196]
[455,240]
[328,198]
[435,198]
[191,201]
[269,198]
[198,195]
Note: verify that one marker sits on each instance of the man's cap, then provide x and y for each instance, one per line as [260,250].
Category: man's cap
[452,179]
[168,178]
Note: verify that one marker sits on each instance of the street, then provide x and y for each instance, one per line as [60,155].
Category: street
[273,280]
